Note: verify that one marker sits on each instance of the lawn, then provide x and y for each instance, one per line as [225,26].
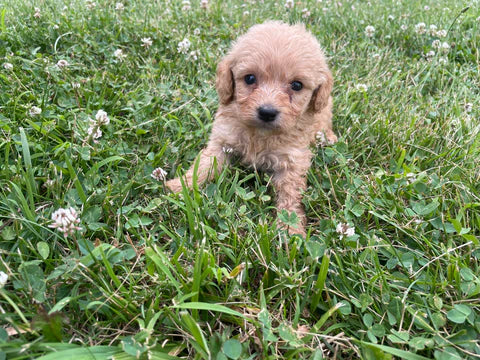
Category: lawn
[96,96]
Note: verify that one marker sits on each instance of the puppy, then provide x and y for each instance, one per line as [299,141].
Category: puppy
[274,89]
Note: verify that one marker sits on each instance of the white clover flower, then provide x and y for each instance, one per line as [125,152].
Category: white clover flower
[94,132]
[411,177]
[478,19]
[426,8]
[66,221]
[421,28]
[183,46]
[119,6]
[345,230]
[56,27]
[391,17]
[430,55]
[468,107]
[146,42]
[34,111]
[37,14]
[159,174]
[186,5]
[90,4]
[119,54]
[445,47]
[75,85]
[62,64]
[193,55]
[376,56]
[246,13]
[289,4]
[369,31]
[443,61]
[436,44]
[321,139]
[306,13]
[404,27]
[196,32]
[3,279]
[433,30]
[362,87]
[49,183]
[102,118]
[7,66]
[441,33]
[204,4]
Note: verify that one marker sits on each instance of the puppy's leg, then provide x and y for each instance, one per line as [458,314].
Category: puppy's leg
[324,121]
[289,184]
[212,154]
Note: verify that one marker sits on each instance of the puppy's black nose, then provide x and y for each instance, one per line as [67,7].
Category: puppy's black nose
[267,113]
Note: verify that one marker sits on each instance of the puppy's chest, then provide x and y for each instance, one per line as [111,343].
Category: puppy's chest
[266,154]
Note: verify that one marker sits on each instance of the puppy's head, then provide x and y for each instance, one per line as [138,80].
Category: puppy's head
[273,75]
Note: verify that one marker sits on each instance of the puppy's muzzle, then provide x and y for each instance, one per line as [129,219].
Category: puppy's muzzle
[267,113]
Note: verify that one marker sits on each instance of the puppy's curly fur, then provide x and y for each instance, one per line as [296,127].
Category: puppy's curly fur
[274,88]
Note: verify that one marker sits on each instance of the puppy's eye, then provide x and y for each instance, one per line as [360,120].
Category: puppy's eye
[296,85]
[250,79]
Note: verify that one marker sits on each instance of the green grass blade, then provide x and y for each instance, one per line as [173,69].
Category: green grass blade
[110,271]
[320,283]
[210,307]
[44,131]
[2,21]
[101,163]
[15,307]
[402,354]
[75,179]
[83,353]
[27,160]
[157,355]
[198,275]
[325,317]
[159,259]
[23,203]
[194,330]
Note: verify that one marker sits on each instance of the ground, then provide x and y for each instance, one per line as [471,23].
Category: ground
[95,96]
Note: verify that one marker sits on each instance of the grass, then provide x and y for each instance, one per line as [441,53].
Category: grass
[205,274]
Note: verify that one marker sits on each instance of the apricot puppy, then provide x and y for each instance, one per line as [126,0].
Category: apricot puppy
[274,88]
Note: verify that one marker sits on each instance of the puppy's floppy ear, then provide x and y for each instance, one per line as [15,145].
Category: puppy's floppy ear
[322,93]
[225,84]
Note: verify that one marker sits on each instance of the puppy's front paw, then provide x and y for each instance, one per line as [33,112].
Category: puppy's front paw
[174,185]
[326,137]
[331,137]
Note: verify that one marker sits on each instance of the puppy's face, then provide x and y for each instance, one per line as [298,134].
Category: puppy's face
[273,75]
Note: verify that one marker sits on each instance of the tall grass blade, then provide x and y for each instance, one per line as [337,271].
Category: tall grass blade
[27,160]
